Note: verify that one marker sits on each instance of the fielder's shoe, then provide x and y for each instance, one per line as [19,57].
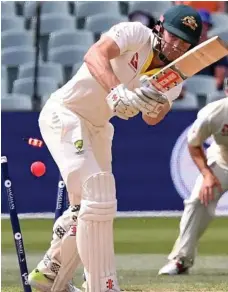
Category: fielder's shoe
[174,267]
[40,282]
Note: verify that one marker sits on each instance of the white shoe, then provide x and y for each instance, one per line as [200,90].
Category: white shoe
[84,285]
[37,280]
[40,282]
[72,288]
[174,267]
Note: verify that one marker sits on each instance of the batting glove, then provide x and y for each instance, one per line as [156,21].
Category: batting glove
[150,101]
[120,101]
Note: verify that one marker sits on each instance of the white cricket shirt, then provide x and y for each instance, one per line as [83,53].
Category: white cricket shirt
[85,96]
[212,120]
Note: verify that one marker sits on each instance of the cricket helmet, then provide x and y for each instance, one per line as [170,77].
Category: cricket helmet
[184,22]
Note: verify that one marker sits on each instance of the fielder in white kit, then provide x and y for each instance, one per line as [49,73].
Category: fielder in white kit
[211,184]
[75,127]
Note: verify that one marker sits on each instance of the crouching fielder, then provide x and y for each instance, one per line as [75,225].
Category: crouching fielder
[75,126]
[211,184]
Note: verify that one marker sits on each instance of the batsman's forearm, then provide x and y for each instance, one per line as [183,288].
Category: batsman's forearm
[198,155]
[101,69]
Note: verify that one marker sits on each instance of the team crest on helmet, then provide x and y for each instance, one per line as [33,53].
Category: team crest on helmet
[190,22]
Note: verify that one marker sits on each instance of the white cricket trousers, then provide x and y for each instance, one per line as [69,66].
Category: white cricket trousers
[196,218]
[78,148]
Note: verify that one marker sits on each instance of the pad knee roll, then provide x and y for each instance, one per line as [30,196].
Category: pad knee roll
[99,198]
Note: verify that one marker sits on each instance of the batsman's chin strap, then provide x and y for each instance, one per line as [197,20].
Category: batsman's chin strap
[158,30]
[163,58]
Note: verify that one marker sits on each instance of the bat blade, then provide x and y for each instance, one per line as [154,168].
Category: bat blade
[189,64]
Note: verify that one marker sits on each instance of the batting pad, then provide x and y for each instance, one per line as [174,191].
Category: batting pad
[95,232]
[51,262]
[64,248]
[69,261]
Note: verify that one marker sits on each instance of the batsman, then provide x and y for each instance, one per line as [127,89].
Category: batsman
[75,126]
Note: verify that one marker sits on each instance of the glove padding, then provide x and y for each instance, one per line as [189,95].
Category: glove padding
[126,104]
[150,101]
[120,102]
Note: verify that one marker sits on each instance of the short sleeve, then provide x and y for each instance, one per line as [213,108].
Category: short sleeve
[208,122]
[129,36]
[201,128]
[199,132]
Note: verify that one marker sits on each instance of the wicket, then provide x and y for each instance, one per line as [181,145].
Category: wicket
[61,204]
[15,225]
[60,201]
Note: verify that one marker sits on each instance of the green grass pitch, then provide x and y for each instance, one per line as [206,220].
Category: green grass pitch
[141,246]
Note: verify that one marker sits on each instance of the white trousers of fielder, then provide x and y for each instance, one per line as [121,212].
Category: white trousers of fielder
[196,218]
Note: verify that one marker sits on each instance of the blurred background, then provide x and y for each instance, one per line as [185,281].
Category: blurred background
[43,44]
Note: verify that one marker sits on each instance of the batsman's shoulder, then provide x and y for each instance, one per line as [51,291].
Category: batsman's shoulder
[131,35]
[136,25]
[139,29]
[132,26]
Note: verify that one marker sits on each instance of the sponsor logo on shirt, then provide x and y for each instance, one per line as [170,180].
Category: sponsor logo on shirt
[134,62]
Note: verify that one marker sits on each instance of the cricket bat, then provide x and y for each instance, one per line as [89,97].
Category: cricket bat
[189,64]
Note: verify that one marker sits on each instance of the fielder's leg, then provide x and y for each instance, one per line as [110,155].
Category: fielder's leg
[95,232]
[195,220]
